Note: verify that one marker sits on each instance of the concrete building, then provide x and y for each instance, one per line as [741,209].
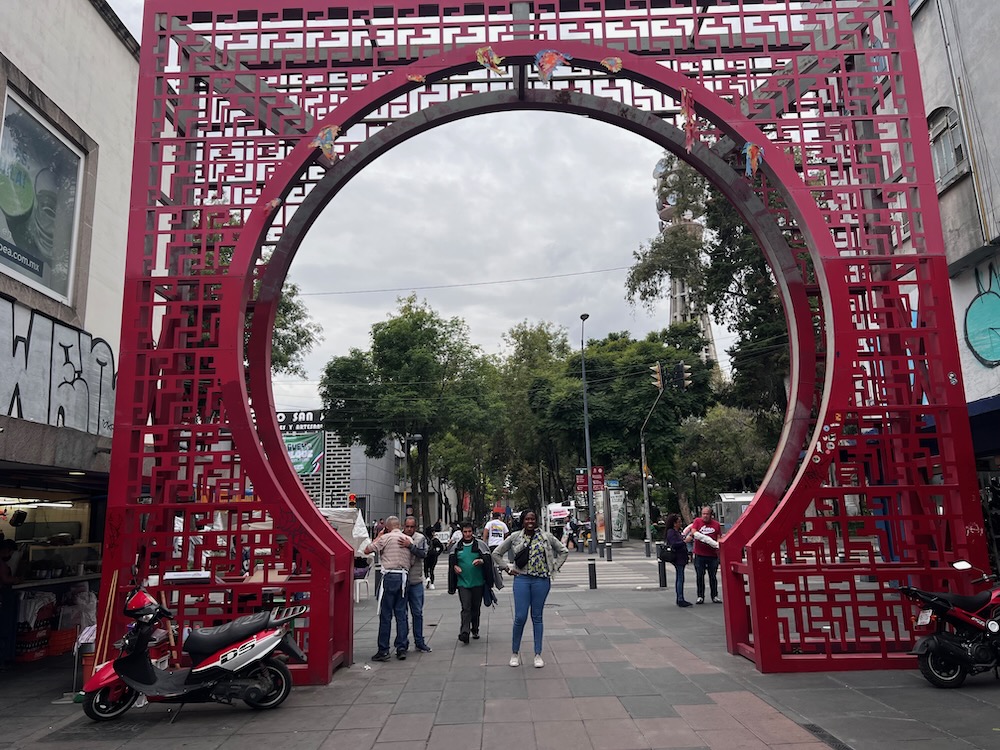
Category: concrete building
[68,71]
[963,110]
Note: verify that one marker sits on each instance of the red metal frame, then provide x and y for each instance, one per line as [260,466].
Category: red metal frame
[872,482]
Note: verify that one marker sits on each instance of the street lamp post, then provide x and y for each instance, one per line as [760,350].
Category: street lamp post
[592,545]
[645,474]
[695,476]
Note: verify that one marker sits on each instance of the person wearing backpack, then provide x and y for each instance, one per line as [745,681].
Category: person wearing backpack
[674,543]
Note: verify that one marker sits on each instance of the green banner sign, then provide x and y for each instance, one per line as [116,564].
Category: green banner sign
[306,452]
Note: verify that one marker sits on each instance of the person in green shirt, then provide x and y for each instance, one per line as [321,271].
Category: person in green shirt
[470,574]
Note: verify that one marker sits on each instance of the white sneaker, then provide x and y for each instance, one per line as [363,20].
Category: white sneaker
[515,660]
[431,587]
[538,661]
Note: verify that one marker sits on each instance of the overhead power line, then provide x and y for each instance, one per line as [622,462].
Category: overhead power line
[466,284]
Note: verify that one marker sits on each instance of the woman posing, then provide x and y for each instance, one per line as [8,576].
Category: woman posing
[677,543]
[537,557]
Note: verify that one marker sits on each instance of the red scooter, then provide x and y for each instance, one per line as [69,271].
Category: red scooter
[966,632]
[235,661]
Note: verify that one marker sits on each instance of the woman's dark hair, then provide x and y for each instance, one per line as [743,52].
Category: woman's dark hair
[671,520]
[529,513]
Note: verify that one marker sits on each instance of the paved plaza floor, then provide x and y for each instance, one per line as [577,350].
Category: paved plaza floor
[625,669]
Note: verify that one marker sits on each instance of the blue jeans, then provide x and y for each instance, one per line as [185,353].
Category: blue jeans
[415,601]
[703,564]
[529,592]
[392,605]
[679,582]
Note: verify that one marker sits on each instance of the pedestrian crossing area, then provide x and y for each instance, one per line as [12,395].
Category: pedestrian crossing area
[625,571]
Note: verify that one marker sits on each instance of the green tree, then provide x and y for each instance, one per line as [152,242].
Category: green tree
[536,466]
[730,446]
[421,376]
[726,272]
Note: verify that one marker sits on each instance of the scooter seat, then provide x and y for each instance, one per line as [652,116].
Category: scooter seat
[968,603]
[206,641]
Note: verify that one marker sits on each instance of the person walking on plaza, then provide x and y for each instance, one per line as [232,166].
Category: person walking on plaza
[676,542]
[470,572]
[707,534]
[415,583]
[434,550]
[538,555]
[393,547]
[495,531]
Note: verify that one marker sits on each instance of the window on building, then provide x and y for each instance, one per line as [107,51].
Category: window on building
[947,146]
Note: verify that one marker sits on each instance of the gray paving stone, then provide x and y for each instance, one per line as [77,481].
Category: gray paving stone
[585,687]
[418,703]
[460,712]
[648,707]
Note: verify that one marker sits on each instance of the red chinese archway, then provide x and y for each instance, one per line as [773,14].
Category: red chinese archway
[252,116]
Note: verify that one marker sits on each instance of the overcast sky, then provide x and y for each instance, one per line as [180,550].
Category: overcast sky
[489,199]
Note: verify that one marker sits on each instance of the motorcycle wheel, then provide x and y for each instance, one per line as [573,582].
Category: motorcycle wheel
[281,681]
[109,702]
[940,671]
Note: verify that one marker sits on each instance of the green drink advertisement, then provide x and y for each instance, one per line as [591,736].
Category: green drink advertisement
[39,200]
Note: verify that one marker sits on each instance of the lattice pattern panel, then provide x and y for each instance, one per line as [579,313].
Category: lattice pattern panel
[807,115]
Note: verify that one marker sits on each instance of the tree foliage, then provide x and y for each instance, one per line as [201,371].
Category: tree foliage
[726,273]
[731,447]
[422,376]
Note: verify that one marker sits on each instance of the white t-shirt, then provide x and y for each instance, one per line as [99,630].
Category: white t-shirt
[496,532]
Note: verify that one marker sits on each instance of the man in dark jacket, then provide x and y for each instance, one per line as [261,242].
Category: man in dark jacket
[470,573]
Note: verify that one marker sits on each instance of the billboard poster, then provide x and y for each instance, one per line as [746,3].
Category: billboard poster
[40,176]
[619,525]
[306,452]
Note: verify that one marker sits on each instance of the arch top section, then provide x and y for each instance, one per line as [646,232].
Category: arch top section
[778,167]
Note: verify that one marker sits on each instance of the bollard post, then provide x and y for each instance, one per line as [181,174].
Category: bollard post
[649,550]
[592,572]
[662,567]
[601,550]
[608,545]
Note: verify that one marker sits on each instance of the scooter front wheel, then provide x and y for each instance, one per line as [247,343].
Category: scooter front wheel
[940,670]
[280,679]
[109,702]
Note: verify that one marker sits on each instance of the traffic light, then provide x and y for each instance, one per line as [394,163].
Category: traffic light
[657,376]
[352,499]
[685,375]
[680,375]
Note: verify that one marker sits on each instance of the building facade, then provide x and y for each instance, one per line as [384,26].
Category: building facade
[963,112]
[68,72]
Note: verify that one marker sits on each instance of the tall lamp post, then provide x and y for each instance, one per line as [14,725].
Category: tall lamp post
[695,476]
[658,382]
[592,545]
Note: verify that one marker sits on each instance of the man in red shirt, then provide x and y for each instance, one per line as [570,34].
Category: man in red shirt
[706,530]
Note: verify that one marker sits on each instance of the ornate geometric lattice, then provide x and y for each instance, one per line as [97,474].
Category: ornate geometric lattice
[252,116]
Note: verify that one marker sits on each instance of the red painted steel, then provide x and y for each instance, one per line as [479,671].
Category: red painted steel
[873,482]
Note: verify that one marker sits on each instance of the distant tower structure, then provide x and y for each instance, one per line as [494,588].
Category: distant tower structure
[682,307]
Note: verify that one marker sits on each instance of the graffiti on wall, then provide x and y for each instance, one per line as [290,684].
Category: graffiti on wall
[53,373]
[982,319]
